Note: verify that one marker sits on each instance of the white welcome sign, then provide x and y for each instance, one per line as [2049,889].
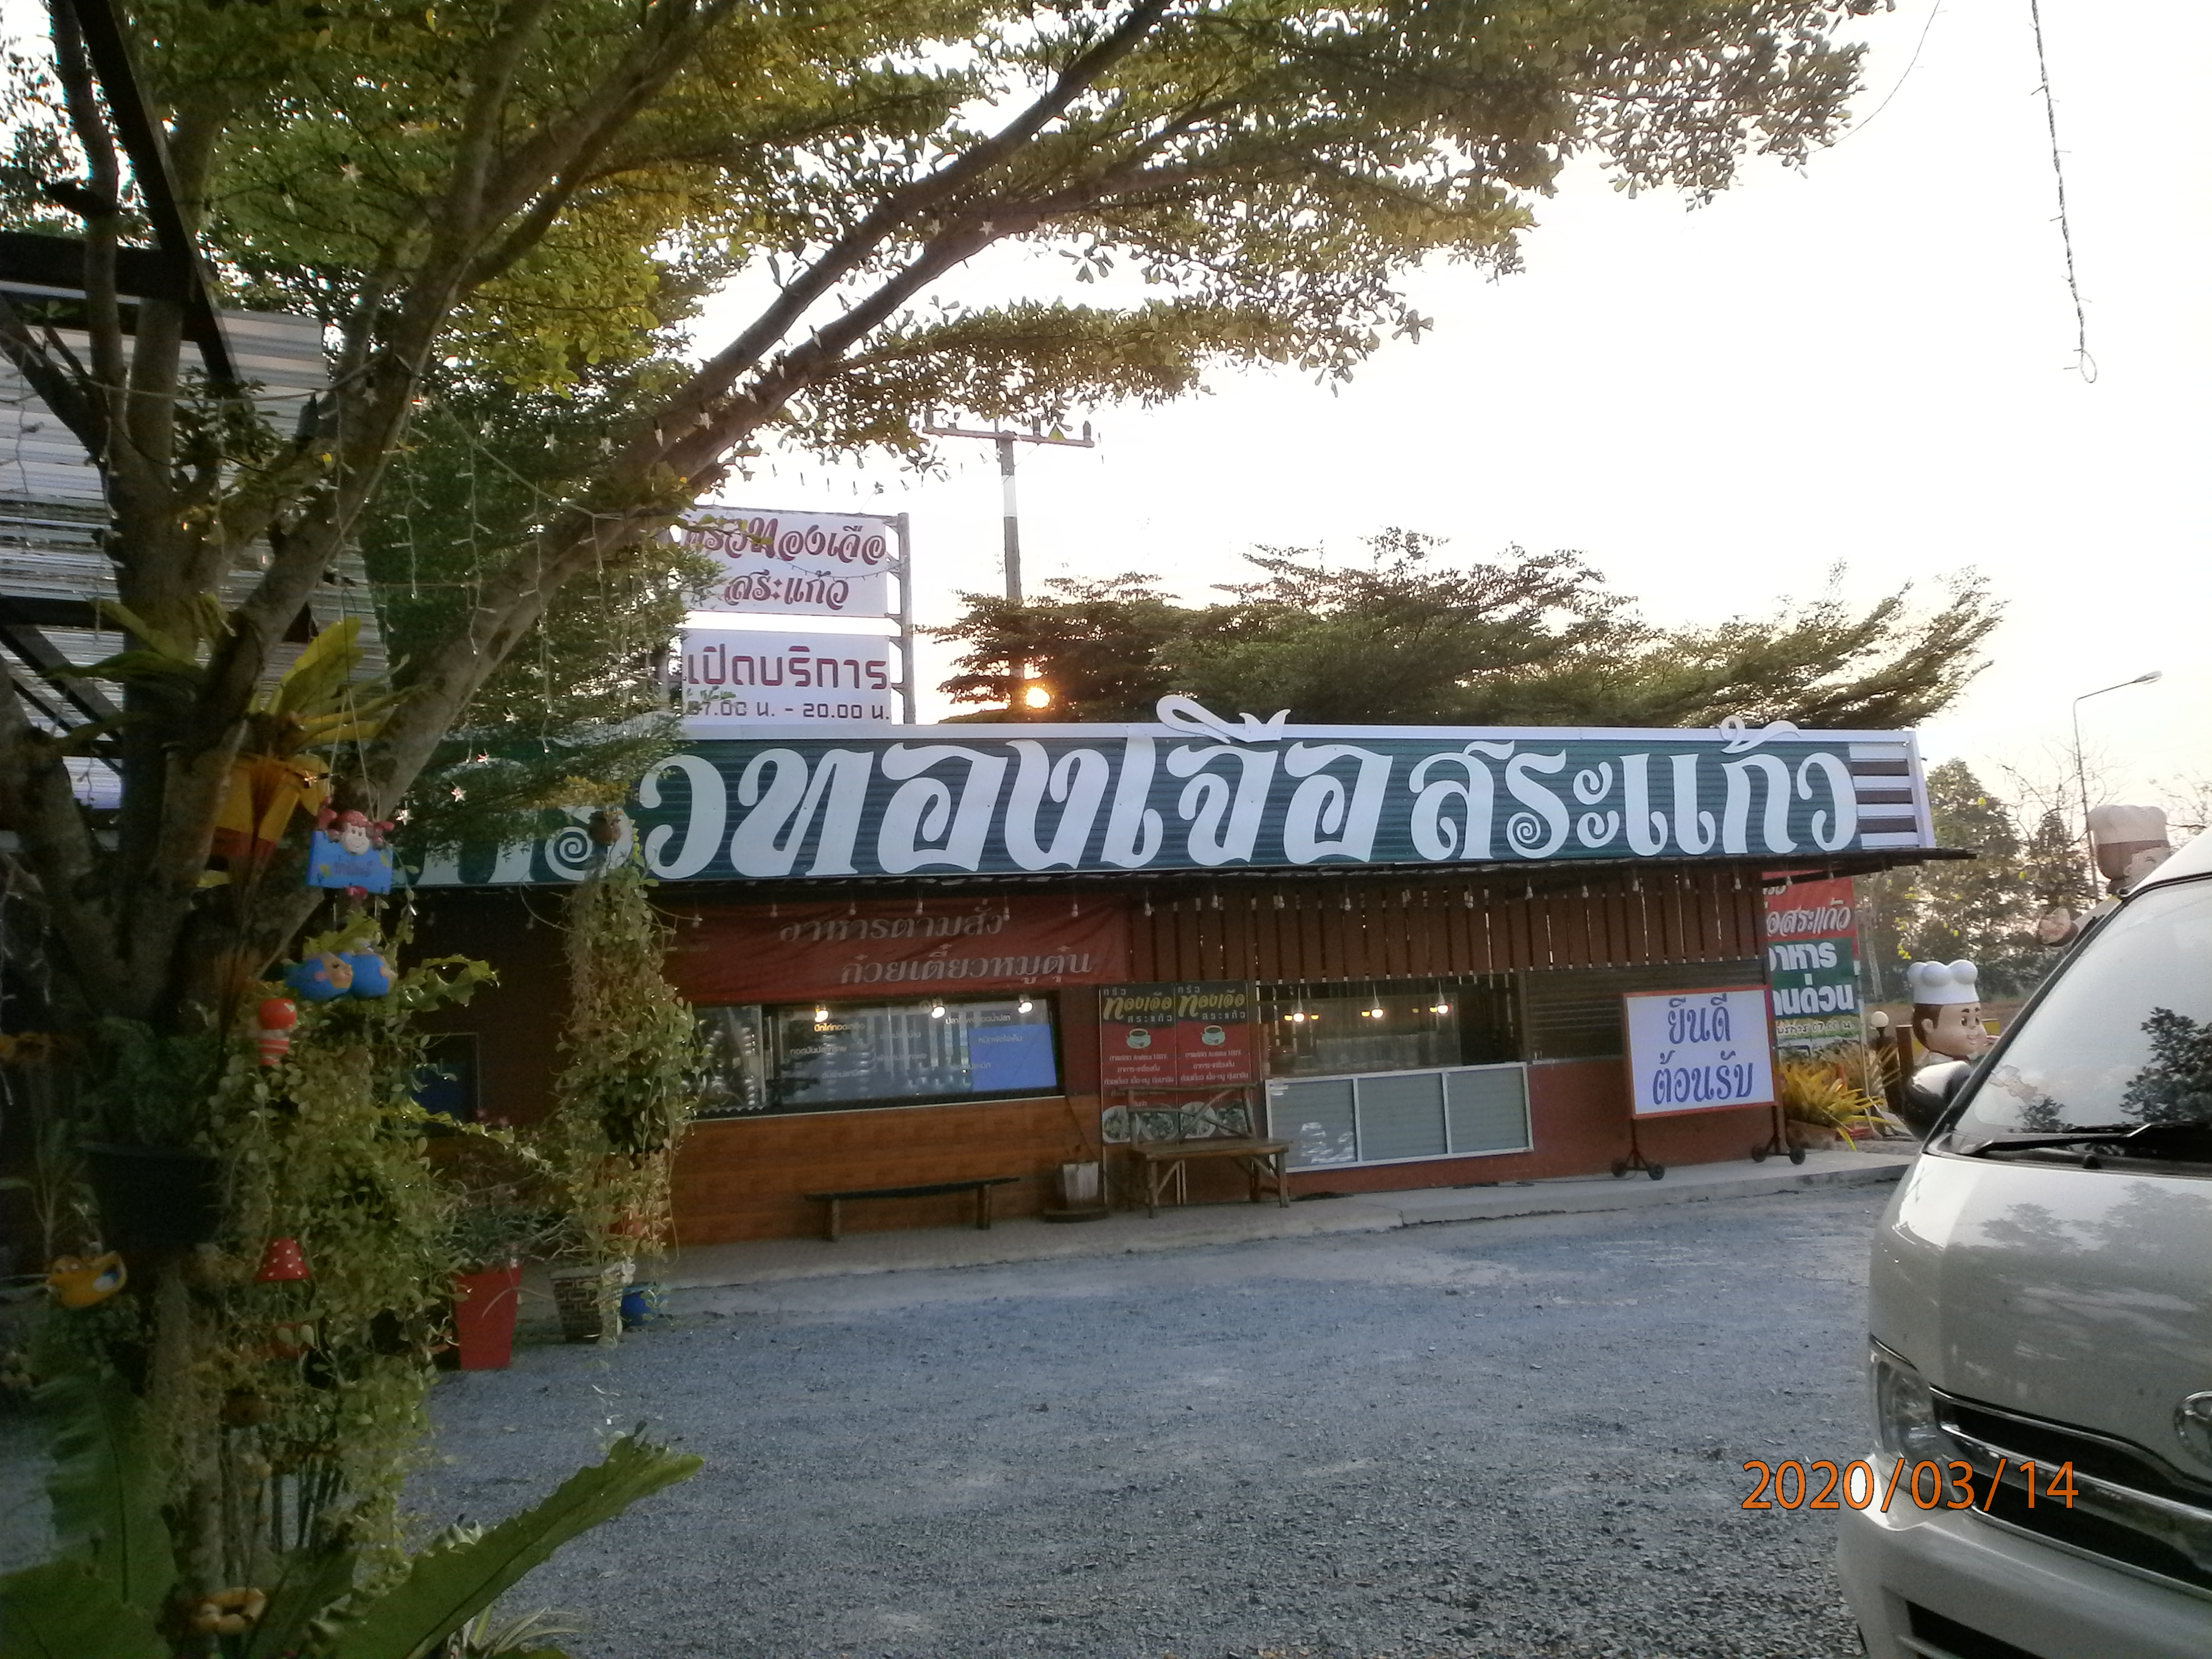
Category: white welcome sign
[1698,1051]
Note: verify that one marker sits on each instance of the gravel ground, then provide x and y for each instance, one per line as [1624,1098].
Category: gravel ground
[1512,1437]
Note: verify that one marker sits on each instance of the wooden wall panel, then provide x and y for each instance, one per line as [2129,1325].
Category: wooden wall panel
[740,1180]
[1380,929]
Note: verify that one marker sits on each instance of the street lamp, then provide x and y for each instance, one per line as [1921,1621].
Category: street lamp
[2080,771]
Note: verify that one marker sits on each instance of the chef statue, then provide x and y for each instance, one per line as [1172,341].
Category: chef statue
[1947,1018]
[2129,843]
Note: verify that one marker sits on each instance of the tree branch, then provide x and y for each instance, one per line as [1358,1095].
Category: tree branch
[37,802]
[720,372]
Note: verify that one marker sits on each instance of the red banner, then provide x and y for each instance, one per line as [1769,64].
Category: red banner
[1810,909]
[1137,1035]
[897,950]
[1188,1036]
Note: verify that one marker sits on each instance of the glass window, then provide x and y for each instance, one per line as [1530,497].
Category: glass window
[734,1078]
[2125,1035]
[826,1056]
[1330,1030]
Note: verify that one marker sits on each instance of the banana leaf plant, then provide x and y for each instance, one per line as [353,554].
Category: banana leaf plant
[110,1591]
[316,706]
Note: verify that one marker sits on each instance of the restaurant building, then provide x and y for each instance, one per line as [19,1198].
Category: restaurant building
[937,953]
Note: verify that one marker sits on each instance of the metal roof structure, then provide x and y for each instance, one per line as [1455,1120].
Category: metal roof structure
[54,568]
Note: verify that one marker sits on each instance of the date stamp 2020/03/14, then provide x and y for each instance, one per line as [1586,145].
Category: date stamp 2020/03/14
[1925,1485]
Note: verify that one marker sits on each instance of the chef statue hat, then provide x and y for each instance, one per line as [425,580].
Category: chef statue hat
[1936,983]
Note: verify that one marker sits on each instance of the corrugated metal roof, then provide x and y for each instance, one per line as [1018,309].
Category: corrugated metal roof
[53,510]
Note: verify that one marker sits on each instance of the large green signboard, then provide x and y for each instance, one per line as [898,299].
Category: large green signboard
[1197,791]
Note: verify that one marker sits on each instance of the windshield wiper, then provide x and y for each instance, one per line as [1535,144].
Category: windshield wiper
[2122,1137]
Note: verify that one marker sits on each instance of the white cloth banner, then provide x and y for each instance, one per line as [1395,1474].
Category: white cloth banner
[1698,1051]
[732,679]
[793,564]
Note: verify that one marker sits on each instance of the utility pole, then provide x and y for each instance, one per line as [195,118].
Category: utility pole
[2082,770]
[1005,441]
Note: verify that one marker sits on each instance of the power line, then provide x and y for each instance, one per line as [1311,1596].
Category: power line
[2084,364]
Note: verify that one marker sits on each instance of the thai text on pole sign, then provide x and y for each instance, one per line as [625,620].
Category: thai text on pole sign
[732,679]
[1197,791]
[793,564]
[1697,1051]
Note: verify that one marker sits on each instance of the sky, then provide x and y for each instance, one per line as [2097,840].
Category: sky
[1869,362]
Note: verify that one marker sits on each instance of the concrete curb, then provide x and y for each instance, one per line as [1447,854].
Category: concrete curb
[711,1266]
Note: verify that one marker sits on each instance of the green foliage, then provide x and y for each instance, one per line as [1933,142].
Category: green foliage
[464,1572]
[627,1092]
[578,708]
[329,1149]
[96,1601]
[1524,639]
[62,1609]
[103,1488]
[1984,909]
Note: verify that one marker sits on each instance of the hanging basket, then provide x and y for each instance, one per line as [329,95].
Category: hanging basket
[589,1301]
[155,1198]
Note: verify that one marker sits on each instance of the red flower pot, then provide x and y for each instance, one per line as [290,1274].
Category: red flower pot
[484,1306]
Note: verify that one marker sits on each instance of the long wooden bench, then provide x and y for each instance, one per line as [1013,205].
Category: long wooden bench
[981,1186]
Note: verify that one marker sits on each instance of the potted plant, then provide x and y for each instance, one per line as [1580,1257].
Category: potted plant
[489,1234]
[156,1192]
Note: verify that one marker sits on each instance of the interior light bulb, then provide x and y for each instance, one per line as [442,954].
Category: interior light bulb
[1375,1014]
[937,1012]
[821,1014]
[1024,1006]
[1441,1008]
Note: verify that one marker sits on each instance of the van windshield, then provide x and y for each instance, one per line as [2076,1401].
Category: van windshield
[2124,1037]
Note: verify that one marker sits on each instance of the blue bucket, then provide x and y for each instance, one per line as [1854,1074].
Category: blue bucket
[640,1305]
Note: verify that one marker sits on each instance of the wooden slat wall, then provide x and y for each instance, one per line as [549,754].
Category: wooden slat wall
[1374,929]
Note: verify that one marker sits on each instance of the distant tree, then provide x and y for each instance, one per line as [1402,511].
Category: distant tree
[1984,909]
[1533,638]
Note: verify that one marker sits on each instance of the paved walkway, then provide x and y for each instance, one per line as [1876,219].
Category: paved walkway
[703,1267]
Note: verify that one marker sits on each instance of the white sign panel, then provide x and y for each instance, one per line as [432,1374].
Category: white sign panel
[732,679]
[794,564]
[1698,1051]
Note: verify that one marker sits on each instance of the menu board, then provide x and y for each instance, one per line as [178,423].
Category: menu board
[1192,1034]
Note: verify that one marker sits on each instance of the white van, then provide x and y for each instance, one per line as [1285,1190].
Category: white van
[2041,1314]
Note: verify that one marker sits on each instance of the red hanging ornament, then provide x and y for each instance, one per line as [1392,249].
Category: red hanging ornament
[282,1261]
[276,1016]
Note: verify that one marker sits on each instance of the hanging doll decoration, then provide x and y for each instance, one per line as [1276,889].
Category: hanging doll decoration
[348,852]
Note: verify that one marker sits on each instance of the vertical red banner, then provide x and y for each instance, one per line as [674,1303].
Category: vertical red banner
[1137,1032]
[1213,1034]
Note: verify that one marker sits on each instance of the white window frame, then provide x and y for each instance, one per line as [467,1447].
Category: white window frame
[1358,1127]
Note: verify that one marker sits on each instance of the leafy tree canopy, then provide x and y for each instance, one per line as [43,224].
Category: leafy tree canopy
[535,193]
[1522,639]
[1984,909]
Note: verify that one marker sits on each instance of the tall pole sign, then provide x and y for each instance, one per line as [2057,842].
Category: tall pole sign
[773,563]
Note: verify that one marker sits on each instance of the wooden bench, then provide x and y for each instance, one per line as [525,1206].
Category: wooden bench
[1163,1162]
[981,1186]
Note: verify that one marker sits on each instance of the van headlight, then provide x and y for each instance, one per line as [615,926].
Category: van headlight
[1904,1411]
